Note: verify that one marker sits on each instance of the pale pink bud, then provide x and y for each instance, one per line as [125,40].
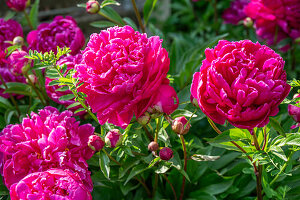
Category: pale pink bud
[95,143]
[181,125]
[153,146]
[92,6]
[113,138]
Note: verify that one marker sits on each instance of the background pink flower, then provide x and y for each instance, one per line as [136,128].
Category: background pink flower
[60,32]
[122,70]
[235,13]
[50,184]
[46,140]
[18,5]
[276,19]
[242,82]
[8,31]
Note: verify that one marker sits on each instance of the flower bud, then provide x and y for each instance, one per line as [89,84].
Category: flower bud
[92,6]
[166,153]
[113,138]
[181,125]
[32,78]
[95,143]
[144,119]
[294,112]
[153,146]
[248,22]
[194,101]
[18,41]
[297,40]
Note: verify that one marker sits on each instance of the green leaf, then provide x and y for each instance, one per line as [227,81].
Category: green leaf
[135,171]
[124,169]
[218,188]
[81,5]
[276,125]
[102,24]
[18,88]
[293,139]
[109,2]
[62,89]
[33,15]
[66,97]
[278,152]
[104,164]
[54,82]
[111,13]
[10,14]
[79,110]
[4,103]
[73,105]
[148,8]
[234,134]
[131,23]
[199,157]
[153,162]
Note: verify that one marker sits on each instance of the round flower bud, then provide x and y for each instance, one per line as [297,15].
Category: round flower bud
[294,112]
[113,138]
[92,6]
[95,143]
[153,146]
[144,119]
[248,22]
[181,125]
[18,41]
[166,153]
[32,78]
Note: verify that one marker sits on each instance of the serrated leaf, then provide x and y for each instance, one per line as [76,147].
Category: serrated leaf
[109,2]
[104,164]
[102,24]
[67,97]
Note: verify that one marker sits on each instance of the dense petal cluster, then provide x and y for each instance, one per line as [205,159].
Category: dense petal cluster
[8,31]
[50,184]
[62,32]
[18,5]
[70,62]
[235,13]
[242,82]
[8,74]
[122,71]
[49,139]
[275,20]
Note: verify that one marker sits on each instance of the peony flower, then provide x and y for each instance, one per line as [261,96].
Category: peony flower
[49,139]
[6,71]
[275,20]
[92,6]
[18,61]
[8,31]
[122,71]
[62,32]
[113,138]
[235,13]
[18,5]
[166,153]
[294,112]
[181,125]
[50,184]
[242,82]
[70,61]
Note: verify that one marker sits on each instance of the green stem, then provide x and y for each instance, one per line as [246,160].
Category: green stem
[110,19]
[35,89]
[157,129]
[155,185]
[265,139]
[282,169]
[150,137]
[138,16]
[171,185]
[28,20]
[185,165]
[259,172]
[11,97]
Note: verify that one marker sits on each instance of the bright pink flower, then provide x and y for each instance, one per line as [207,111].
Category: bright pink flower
[46,140]
[6,71]
[294,111]
[51,184]
[18,61]
[8,31]
[70,61]
[235,13]
[18,5]
[62,32]
[276,19]
[242,82]
[122,71]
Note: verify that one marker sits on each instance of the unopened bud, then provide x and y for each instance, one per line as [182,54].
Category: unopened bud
[18,41]
[113,138]
[92,6]
[248,22]
[181,125]
[153,146]
[32,79]
[144,119]
[297,40]
[95,143]
[166,153]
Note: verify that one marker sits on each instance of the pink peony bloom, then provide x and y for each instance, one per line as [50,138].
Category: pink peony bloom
[122,71]
[275,20]
[46,140]
[294,111]
[18,5]
[6,71]
[235,13]
[8,31]
[51,184]
[70,61]
[242,82]
[60,32]
[18,61]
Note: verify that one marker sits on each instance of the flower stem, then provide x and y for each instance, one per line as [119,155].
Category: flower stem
[28,20]
[35,89]
[11,97]
[185,165]
[259,172]
[157,129]
[265,139]
[138,16]
[150,137]
[171,185]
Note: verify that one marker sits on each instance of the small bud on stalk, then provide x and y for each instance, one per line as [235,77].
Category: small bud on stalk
[95,143]
[248,22]
[18,41]
[92,6]
[153,146]
[181,125]
[166,153]
[113,138]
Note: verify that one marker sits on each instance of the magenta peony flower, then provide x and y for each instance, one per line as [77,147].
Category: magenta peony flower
[294,111]
[60,32]
[235,13]
[46,140]
[8,31]
[70,61]
[242,82]
[275,20]
[50,184]
[18,61]
[6,71]
[113,138]
[122,71]
[18,5]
